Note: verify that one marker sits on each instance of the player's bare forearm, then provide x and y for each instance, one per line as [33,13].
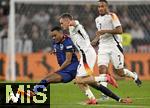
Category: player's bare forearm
[67,61]
[64,65]
[95,41]
[117,30]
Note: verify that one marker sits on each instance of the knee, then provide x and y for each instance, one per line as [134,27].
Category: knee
[78,80]
[120,72]
[54,78]
[103,69]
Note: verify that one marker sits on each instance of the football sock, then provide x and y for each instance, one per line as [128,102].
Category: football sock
[89,94]
[107,92]
[129,73]
[104,83]
[100,79]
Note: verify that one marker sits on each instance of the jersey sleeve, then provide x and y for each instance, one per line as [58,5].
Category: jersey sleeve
[115,20]
[96,23]
[69,47]
[81,31]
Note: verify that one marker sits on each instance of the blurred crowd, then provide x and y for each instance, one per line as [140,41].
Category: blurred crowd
[34,21]
[4,9]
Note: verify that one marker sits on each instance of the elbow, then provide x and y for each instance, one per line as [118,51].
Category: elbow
[120,31]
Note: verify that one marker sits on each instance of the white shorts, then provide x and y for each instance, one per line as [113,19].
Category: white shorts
[107,53]
[87,63]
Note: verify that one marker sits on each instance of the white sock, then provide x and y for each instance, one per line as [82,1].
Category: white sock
[103,75]
[89,94]
[100,78]
[129,73]
[104,83]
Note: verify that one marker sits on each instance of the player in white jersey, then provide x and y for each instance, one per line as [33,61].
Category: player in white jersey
[110,47]
[87,57]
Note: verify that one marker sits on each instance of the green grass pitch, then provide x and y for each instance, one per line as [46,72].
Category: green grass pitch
[69,96]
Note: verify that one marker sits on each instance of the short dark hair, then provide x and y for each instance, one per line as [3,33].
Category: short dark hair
[56,28]
[103,1]
[66,15]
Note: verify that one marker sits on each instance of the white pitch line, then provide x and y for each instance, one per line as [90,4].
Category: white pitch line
[141,98]
[122,106]
[135,98]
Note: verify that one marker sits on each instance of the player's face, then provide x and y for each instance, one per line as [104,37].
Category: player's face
[102,8]
[64,23]
[56,35]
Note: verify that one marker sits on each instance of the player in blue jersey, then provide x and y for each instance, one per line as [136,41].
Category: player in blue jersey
[67,59]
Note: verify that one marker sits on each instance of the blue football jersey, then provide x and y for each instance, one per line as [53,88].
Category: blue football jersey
[61,49]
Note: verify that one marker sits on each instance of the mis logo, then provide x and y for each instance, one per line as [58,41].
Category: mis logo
[19,94]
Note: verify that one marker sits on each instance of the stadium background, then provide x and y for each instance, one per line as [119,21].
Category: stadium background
[32,42]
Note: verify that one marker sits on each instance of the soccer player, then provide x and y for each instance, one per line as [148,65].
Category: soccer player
[82,42]
[67,59]
[87,54]
[110,47]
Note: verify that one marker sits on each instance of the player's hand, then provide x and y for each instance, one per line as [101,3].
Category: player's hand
[100,32]
[52,52]
[72,23]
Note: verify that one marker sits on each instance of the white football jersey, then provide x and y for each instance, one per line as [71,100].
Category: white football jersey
[79,37]
[108,22]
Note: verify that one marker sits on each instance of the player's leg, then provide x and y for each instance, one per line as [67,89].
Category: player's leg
[117,59]
[81,73]
[86,90]
[88,65]
[85,69]
[53,78]
[63,76]
[109,93]
[103,61]
[127,73]
[97,79]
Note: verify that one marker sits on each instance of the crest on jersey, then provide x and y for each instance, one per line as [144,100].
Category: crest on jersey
[61,46]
